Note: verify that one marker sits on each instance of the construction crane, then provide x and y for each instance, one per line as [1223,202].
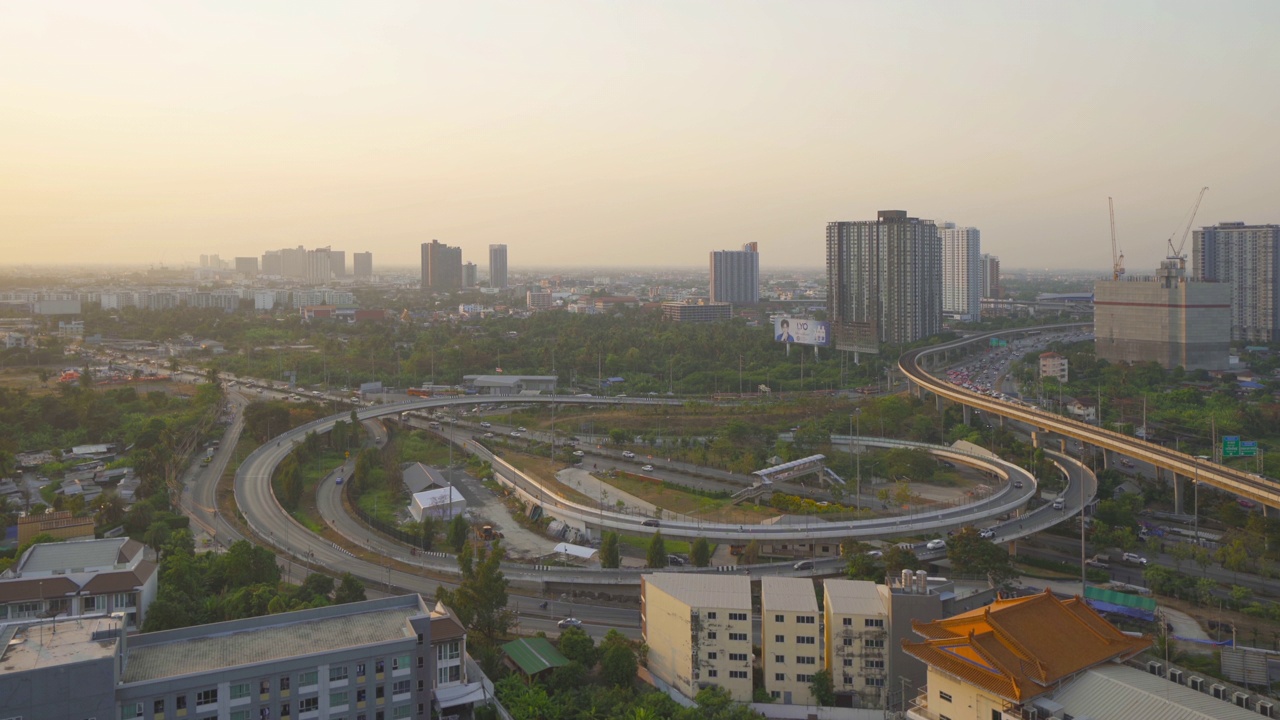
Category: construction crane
[1117,257]
[1176,253]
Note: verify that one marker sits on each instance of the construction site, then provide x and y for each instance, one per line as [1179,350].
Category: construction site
[1168,318]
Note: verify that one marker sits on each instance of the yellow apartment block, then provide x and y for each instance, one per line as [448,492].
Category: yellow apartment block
[698,629]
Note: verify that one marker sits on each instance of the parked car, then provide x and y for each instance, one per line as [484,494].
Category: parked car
[675,561]
[569,622]
[935,544]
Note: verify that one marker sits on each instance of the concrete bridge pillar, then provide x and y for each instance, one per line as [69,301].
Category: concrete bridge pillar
[939,402]
[1177,492]
[968,413]
[1035,438]
[1062,446]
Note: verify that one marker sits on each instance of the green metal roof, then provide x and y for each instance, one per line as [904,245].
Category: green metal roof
[533,655]
[1116,597]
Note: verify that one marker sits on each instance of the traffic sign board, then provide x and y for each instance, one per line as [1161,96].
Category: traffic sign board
[1249,448]
[1231,446]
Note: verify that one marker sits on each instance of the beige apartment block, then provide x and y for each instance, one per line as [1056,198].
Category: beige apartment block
[698,629]
[856,626]
[791,638]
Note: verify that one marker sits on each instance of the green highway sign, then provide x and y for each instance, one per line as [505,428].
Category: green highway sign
[1249,448]
[1230,446]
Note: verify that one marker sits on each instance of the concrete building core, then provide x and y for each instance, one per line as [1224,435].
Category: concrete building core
[1169,319]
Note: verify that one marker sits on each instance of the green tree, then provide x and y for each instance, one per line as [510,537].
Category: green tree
[350,589]
[864,567]
[657,555]
[480,599]
[823,690]
[459,528]
[700,553]
[898,558]
[426,531]
[970,554]
[750,554]
[578,646]
[618,663]
[610,556]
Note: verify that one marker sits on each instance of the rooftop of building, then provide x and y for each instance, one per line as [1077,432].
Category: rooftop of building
[533,655]
[853,597]
[262,640]
[43,644]
[731,592]
[787,594]
[77,554]
[1019,648]
[1113,690]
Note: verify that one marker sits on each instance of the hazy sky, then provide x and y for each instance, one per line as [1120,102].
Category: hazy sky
[614,133]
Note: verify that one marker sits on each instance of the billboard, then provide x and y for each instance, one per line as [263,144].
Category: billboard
[802,331]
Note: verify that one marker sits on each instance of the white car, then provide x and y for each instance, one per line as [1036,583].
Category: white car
[986,533]
[569,622]
[628,454]
[935,544]
[1134,558]
[578,453]
[647,468]
[486,424]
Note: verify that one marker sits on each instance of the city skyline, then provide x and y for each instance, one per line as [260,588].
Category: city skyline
[617,135]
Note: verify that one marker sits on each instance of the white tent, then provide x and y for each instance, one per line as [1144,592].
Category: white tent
[443,503]
[575,550]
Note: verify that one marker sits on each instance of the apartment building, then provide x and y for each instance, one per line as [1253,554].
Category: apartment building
[1053,365]
[791,638]
[363,661]
[1247,257]
[80,577]
[856,624]
[884,281]
[698,628]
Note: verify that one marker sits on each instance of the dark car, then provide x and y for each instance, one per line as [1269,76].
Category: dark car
[650,523]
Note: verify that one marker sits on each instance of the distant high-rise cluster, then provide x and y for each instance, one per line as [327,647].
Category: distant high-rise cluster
[1248,257]
[735,275]
[468,275]
[316,267]
[961,272]
[441,267]
[884,281]
[498,266]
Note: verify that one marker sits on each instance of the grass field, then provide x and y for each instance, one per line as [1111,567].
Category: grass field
[705,508]
[544,470]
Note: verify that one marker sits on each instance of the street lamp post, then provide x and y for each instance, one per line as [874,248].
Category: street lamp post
[857,488]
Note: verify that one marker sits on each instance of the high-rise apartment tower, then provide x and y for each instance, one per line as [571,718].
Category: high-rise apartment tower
[735,275]
[1248,257]
[441,267]
[884,281]
[497,266]
[961,272]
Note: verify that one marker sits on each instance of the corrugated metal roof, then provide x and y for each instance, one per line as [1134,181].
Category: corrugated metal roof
[853,597]
[1120,691]
[47,557]
[788,594]
[533,655]
[700,590]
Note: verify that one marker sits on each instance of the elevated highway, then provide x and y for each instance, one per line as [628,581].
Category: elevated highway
[914,364]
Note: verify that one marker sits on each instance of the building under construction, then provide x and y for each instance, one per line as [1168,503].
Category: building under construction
[1169,319]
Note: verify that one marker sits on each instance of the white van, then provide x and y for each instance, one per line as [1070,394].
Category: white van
[1058,504]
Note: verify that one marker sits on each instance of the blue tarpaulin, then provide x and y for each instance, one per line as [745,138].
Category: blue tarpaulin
[1106,607]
